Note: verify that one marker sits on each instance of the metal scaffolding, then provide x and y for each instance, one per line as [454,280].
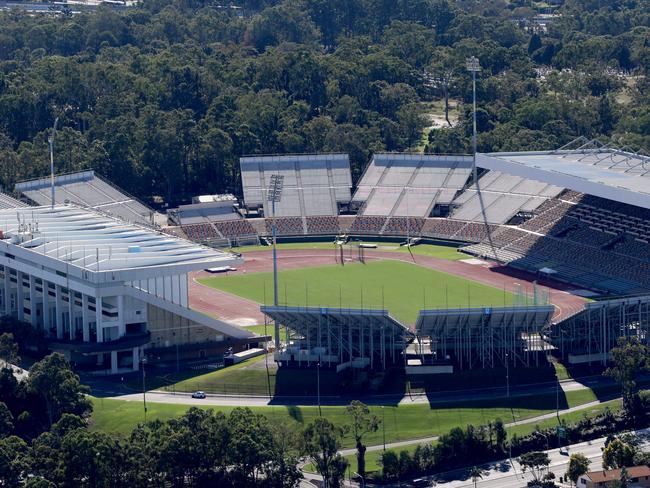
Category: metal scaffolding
[484,337]
[338,337]
[589,335]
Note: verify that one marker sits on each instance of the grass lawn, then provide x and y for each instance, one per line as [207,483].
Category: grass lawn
[373,463]
[402,422]
[401,287]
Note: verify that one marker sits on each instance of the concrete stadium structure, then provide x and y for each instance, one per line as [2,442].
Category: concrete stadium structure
[339,337]
[106,293]
[88,189]
[579,215]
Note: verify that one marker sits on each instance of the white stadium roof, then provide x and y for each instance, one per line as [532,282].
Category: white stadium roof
[72,238]
[604,172]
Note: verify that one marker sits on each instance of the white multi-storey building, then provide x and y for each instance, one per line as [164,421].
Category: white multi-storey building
[105,292]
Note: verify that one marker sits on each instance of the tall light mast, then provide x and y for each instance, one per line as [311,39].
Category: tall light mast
[50,140]
[275,195]
[474,67]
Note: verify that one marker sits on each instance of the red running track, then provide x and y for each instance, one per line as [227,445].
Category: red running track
[240,311]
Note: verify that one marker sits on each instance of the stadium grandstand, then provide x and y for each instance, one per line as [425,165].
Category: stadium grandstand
[338,337]
[410,185]
[88,189]
[589,335]
[443,340]
[314,185]
[580,214]
[107,293]
[479,338]
[598,240]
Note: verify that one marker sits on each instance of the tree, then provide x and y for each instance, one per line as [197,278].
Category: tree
[282,470]
[321,442]
[578,465]
[476,474]
[54,381]
[362,423]
[9,349]
[618,454]
[6,421]
[628,359]
[536,462]
[13,461]
[390,465]
[625,478]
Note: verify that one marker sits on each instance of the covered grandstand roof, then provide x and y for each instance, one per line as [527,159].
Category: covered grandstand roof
[9,202]
[502,196]
[302,318]
[79,240]
[90,190]
[312,185]
[431,322]
[601,171]
[409,185]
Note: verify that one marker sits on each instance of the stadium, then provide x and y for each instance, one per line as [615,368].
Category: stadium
[426,263]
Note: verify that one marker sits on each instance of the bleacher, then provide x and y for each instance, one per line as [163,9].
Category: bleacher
[326,225]
[286,226]
[234,228]
[88,189]
[501,197]
[404,226]
[410,185]
[586,240]
[313,185]
[201,232]
[367,225]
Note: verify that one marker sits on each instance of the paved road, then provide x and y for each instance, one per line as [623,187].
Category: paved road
[504,474]
[114,390]
[508,474]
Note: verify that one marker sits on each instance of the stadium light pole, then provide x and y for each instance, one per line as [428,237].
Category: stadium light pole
[507,376]
[275,195]
[50,141]
[143,362]
[474,67]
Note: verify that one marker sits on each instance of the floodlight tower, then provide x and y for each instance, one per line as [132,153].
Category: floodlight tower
[275,195]
[474,67]
[50,141]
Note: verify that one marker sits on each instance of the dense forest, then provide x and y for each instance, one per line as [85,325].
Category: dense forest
[163,98]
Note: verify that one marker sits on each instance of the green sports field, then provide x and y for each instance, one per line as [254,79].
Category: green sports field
[401,287]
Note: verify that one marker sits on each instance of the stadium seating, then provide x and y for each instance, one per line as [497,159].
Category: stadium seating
[440,227]
[474,232]
[234,228]
[403,226]
[367,224]
[286,226]
[200,232]
[323,225]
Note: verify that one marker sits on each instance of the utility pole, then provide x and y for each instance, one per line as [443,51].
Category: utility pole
[50,141]
[474,67]
[275,195]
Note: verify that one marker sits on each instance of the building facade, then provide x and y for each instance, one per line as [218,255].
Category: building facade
[106,293]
